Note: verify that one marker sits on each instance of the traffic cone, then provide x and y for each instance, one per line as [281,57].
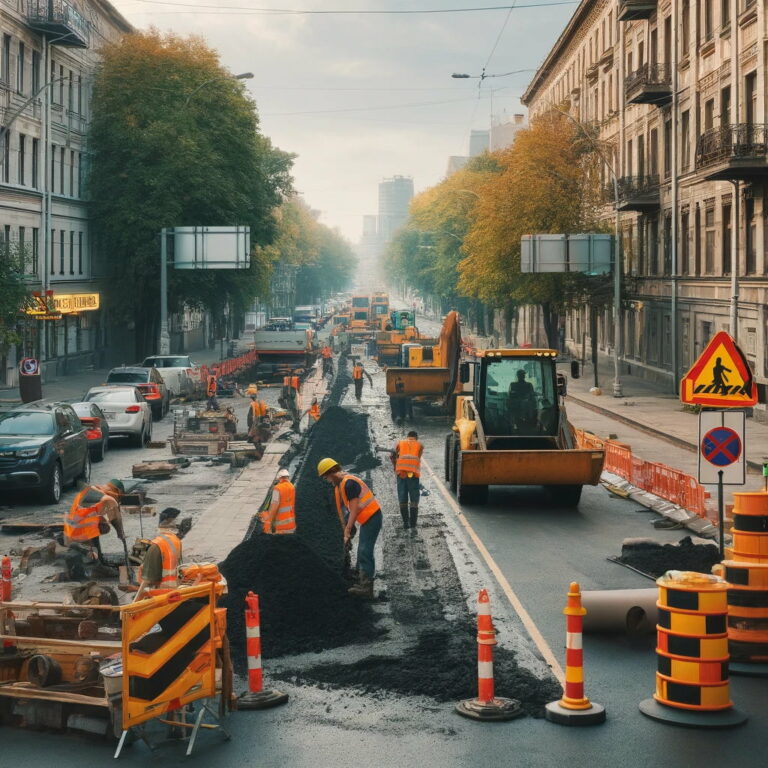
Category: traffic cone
[487,706]
[6,595]
[256,697]
[574,708]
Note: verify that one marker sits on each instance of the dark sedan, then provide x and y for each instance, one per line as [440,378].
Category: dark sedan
[96,428]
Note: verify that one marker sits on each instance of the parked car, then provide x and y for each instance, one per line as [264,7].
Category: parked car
[181,375]
[148,381]
[127,413]
[96,428]
[43,447]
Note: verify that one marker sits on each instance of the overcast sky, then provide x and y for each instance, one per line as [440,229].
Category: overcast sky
[362,97]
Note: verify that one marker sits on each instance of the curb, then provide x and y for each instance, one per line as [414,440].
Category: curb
[686,445]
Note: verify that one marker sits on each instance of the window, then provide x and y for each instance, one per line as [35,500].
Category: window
[6,64]
[7,156]
[71,253]
[709,241]
[725,106]
[707,22]
[80,254]
[61,252]
[653,246]
[667,148]
[61,84]
[35,250]
[72,173]
[22,158]
[653,152]
[80,173]
[63,152]
[628,159]
[53,251]
[725,13]
[685,250]
[23,248]
[697,242]
[35,162]
[726,250]
[668,41]
[53,169]
[641,156]
[667,244]
[685,28]
[80,94]
[7,239]
[750,97]
[35,72]
[709,114]
[685,130]
[750,235]
[70,91]
[20,69]
[629,62]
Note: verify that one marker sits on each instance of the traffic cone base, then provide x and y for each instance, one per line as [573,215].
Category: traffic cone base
[575,704]
[555,712]
[747,669]
[687,718]
[497,708]
[261,700]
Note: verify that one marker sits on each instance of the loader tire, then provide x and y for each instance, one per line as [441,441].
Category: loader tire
[447,457]
[453,463]
[565,495]
[468,494]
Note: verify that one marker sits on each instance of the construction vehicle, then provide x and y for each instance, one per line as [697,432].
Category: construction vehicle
[379,316]
[511,428]
[281,352]
[400,329]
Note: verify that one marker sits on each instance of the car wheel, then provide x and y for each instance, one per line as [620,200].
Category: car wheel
[138,440]
[157,413]
[148,434]
[52,494]
[85,472]
[99,454]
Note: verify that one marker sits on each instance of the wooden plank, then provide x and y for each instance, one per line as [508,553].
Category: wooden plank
[20,604]
[21,524]
[28,691]
[83,646]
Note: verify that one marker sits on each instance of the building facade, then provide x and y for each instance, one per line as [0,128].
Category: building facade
[395,196]
[47,61]
[677,90]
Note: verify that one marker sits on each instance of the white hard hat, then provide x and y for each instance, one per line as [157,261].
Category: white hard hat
[283,473]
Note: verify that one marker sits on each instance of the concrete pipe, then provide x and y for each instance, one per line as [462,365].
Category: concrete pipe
[632,611]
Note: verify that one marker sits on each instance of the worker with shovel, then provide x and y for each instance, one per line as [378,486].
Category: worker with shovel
[280,516]
[93,510]
[357,377]
[159,571]
[356,504]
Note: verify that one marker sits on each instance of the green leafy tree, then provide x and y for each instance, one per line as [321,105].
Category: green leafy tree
[13,293]
[175,141]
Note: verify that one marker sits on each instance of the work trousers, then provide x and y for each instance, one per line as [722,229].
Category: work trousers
[358,388]
[408,490]
[366,544]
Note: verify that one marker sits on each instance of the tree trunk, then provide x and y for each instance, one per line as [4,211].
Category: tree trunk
[550,318]
[593,338]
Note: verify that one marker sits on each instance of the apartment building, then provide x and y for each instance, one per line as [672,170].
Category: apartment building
[677,91]
[48,51]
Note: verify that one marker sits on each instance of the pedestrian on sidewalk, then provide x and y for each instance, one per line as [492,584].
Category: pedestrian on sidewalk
[357,377]
[356,504]
[280,517]
[406,459]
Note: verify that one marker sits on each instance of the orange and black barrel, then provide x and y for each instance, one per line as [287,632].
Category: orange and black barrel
[692,642]
[750,527]
[747,609]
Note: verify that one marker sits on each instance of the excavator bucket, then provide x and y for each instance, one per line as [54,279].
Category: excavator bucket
[416,382]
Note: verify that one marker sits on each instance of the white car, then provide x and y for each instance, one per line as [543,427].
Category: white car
[181,375]
[127,413]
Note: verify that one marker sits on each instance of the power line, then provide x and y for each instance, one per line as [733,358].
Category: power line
[366,109]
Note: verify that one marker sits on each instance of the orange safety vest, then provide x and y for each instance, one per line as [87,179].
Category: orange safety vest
[285,520]
[170,550]
[314,411]
[357,372]
[212,386]
[258,408]
[82,523]
[409,458]
[368,504]
[291,381]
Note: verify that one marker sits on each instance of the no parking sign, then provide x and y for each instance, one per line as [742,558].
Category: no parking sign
[721,447]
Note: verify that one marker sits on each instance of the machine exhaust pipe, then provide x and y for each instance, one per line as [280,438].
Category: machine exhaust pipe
[630,611]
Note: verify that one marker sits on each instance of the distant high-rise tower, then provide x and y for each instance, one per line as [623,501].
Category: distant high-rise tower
[479,142]
[395,196]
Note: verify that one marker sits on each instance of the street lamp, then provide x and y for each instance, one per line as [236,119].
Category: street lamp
[243,76]
[483,76]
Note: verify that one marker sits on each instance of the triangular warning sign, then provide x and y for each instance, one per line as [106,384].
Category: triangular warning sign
[720,378]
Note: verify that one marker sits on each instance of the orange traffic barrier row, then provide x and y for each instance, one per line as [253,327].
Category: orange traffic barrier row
[656,478]
[230,366]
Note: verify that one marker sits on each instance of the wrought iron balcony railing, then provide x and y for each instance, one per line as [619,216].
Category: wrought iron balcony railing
[60,19]
[740,149]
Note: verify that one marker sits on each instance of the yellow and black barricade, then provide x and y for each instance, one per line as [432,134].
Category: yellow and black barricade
[750,527]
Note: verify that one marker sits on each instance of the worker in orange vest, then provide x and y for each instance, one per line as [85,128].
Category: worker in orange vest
[314,413]
[406,459]
[256,412]
[357,377]
[280,517]
[356,504]
[159,571]
[93,510]
[211,387]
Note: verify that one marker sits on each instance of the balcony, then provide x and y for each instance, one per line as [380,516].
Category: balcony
[636,193]
[60,21]
[629,10]
[651,84]
[733,152]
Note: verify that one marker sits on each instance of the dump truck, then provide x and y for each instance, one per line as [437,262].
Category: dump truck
[511,428]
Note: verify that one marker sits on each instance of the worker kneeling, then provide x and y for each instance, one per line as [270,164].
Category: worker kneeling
[281,515]
[355,503]
[159,571]
[93,510]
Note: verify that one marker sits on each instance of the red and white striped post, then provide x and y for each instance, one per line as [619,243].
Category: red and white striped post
[574,708]
[487,706]
[6,595]
[256,697]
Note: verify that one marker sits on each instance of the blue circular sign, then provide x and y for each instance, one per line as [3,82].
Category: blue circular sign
[721,446]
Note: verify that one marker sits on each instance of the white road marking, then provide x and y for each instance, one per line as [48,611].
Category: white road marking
[506,587]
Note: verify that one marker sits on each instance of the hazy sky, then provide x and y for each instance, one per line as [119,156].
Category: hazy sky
[360,97]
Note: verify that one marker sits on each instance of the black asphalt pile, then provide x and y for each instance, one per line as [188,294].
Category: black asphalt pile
[443,666]
[341,382]
[304,604]
[656,559]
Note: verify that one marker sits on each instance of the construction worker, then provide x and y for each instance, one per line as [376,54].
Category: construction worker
[93,510]
[289,399]
[327,354]
[357,377]
[251,390]
[211,388]
[257,411]
[356,504]
[280,517]
[159,571]
[314,413]
[406,459]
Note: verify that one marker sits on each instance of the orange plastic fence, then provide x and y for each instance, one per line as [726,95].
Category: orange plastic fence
[230,366]
[659,479]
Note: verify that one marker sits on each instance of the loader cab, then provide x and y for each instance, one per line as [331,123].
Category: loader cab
[517,394]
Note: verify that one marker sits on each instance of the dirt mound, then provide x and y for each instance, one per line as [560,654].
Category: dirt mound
[442,665]
[656,559]
[304,604]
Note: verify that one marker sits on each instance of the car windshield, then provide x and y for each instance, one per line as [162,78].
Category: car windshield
[112,396]
[31,424]
[168,362]
[128,377]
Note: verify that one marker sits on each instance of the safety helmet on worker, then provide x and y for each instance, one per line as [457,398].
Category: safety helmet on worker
[283,473]
[327,465]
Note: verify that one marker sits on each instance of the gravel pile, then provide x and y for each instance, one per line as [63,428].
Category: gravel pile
[656,559]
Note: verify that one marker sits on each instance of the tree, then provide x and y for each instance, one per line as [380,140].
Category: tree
[175,141]
[13,293]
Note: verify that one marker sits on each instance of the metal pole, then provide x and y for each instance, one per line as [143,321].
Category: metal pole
[735,118]
[720,515]
[165,339]
[673,234]
[617,390]
[46,200]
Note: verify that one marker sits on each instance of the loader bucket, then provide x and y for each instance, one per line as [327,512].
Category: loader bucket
[547,467]
[414,382]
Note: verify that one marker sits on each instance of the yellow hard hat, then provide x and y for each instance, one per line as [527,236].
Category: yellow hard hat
[326,465]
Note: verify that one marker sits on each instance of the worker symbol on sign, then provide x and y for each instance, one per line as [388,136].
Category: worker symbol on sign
[721,446]
[719,379]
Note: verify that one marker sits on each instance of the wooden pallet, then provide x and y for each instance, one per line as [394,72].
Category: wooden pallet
[198,447]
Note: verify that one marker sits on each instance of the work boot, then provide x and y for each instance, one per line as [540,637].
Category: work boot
[414,515]
[404,515]
[364,588]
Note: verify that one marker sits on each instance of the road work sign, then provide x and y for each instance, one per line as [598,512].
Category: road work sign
[720,378]
[721,447]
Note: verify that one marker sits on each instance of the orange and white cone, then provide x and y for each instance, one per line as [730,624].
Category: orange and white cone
[256,697]
[574,708]
[6,595]
[487,706]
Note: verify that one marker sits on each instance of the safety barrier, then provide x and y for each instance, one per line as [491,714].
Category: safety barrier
[6,592]
[659,479]
[230,366]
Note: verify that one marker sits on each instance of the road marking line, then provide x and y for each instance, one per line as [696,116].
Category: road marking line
[506,587]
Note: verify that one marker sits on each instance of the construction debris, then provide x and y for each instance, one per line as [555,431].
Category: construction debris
[154,470]
[656,559]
